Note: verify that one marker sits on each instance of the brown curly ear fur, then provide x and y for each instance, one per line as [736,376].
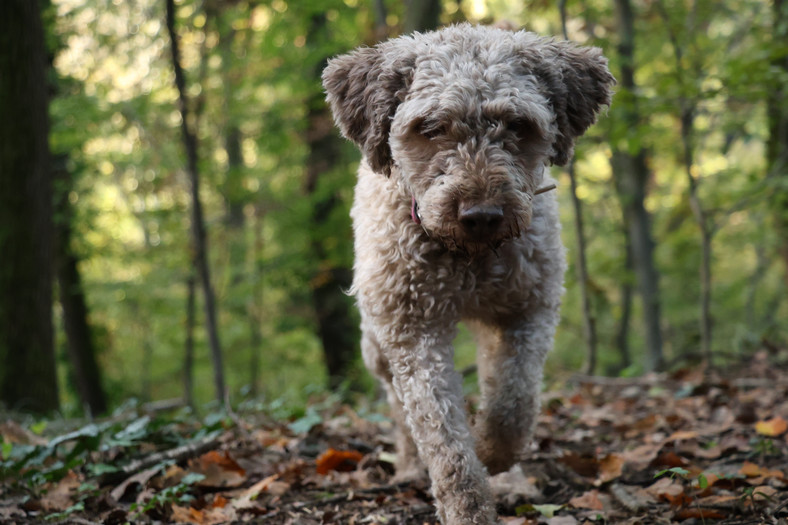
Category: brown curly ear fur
[364,89]
[579,84]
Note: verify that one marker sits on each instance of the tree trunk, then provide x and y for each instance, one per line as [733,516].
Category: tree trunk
[188,350]
[79,341]
[687,120]
[421,15]
[337,327]
[631,175]
[777,146]
[28,379]
[705,234]
[199,237]
[255,303]
[589,321]
[622,332]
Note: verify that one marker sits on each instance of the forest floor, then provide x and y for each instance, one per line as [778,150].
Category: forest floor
[697,446]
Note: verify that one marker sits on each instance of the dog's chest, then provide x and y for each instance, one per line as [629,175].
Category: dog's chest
[490,284]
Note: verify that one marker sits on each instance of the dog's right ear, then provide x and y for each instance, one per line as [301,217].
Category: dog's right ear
[364,89]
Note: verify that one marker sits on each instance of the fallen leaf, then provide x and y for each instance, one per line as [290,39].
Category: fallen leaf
[562,520]
[669,459]
[586,466]
[763,493]
[699,513]
[751,470]
[772,427]
[219,469]
[141,478]
[186,515]
[61,495]
[13,432]
[588,500]
[664,488]
[270,484]
[682,435]
[547,510]
[340,460]
[610,468]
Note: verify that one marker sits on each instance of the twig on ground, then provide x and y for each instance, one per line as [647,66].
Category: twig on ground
[175,454]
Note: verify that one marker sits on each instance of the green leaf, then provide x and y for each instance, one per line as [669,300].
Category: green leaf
[547,510]
[702,481]
[97,469]
[191,478]
[675,471]
[305,424]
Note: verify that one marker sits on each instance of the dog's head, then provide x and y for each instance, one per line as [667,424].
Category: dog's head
[469,117]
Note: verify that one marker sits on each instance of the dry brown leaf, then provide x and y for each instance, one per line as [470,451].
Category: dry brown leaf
[700,513]
[670,459]
[247,498]
[211,516]
[61,495]
[186,515]
[341,460]
[665,487]
[586,466]
[751,470]
[219,469]
[772,427]
[13,432]
[141,477]
[588,500]
[763,493]
[682,435]
[610,468]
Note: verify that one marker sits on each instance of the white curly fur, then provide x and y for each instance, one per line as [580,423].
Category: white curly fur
[451,122]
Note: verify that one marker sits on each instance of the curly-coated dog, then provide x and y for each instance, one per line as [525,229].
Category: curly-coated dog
[457,128]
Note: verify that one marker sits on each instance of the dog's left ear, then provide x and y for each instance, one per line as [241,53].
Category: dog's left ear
[579,84]
[364,89]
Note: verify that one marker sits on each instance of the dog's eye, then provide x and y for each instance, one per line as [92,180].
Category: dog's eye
[429,129]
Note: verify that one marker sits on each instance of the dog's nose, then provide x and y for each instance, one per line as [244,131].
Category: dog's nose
[481,220]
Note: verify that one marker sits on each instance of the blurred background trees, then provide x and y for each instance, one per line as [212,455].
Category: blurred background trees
[683,185]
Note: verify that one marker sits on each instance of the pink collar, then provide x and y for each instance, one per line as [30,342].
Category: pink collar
[414,210]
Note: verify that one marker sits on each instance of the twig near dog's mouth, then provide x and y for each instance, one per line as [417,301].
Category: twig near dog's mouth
[544,189]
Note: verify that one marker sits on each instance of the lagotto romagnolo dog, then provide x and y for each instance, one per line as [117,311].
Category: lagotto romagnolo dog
[457,128]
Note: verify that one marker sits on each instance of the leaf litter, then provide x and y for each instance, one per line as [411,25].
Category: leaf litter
[695,446]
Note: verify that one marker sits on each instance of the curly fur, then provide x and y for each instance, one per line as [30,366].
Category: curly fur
[457,127]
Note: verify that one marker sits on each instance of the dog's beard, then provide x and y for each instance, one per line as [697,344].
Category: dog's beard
[454,239]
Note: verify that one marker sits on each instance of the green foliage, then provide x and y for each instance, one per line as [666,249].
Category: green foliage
[94,445]
[175,494]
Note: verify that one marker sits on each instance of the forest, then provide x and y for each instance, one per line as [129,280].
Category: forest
[175,231]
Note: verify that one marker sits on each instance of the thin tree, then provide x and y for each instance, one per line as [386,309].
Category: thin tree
[631,175]
[589,321]
[79,337]
[188,350]
[777,144]
[687,110]
[199,237]
[27,356]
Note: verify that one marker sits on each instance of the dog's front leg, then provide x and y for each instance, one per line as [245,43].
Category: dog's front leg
[510,359]
[430,390]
